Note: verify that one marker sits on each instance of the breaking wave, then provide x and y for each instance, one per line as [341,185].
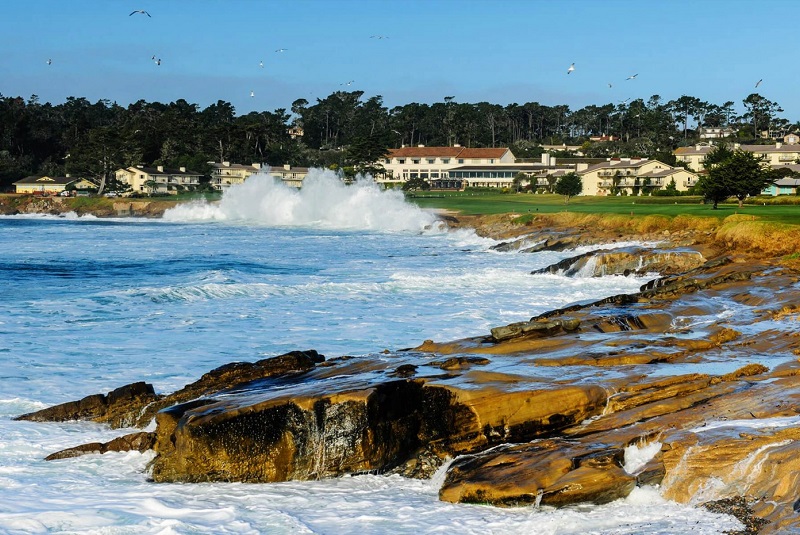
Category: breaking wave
[325,201]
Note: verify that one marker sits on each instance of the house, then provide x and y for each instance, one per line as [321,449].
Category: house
[716,132]
[291,176]
[158,179]
[51,185]
[227,174]
[783,186]
[434,163]
[775,155]
[633,176]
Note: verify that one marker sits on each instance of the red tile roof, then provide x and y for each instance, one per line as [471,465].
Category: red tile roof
[446,152]
[425,152]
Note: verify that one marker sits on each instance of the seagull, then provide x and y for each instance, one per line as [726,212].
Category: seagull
[609,85]
[759,83]
[158,61]
[633,76]
[252,94]
[261,64]
[348,83]
[50,62]
[142,11]
[282,50]
[624,101]
[378,37]
[571,68]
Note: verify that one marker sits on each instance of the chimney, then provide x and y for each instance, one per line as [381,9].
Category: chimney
[183,169]
[420,145]
[257,165]
[456,145]
[226,164]
[287,166]
[160,168]
[778,145]
[66,176]
[546,159]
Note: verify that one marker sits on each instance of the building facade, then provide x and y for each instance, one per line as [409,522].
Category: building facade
[43,185]
[775,155]
[634,176]
[434,163]
[158,179]
[227,174]
[291,176]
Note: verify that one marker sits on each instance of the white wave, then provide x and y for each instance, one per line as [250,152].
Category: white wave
[636,456]
[72,216]
[324,201]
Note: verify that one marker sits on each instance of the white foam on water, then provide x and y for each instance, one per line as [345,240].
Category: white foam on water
[325,201]
[755,423]
[637,456]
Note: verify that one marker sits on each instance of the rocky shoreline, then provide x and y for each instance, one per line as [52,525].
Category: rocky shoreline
[696,376]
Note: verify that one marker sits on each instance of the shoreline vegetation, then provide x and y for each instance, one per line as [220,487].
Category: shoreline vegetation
[464,399]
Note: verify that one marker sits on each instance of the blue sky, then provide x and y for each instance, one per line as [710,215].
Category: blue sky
[496,51]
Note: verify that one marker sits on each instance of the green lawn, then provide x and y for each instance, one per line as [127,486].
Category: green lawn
[496,203]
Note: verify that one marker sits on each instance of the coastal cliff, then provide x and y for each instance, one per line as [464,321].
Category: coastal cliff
[694,376]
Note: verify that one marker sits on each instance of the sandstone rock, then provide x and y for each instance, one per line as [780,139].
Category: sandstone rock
[118,408]
[141,442]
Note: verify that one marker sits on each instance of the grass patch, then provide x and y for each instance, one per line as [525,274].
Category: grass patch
[482,203]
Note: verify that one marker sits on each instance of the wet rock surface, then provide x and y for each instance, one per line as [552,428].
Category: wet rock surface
[699,368]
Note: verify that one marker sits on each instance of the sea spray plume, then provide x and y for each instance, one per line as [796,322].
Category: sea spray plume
[325,201]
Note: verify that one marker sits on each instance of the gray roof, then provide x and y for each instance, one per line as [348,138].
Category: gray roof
[166,171]
[55,180]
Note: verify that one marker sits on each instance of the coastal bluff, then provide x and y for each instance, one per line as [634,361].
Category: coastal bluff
[690,384]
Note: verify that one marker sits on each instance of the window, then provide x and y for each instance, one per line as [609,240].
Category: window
[461,160]
[445,160]
[431,161]
[491,160]
[415,161]
[401,160]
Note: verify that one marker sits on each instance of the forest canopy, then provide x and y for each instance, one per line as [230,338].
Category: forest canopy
[91,139]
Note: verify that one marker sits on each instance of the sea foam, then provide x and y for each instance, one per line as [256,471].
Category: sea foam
[325,201]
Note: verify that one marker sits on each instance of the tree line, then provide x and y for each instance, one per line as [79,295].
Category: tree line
[343,130]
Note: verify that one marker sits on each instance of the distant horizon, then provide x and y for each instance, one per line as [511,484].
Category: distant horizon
[502,52]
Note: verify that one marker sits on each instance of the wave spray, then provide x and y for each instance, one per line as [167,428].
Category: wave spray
[324,201]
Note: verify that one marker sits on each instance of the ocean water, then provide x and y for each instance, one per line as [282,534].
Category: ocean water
[88,305]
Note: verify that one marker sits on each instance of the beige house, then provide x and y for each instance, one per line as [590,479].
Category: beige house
[434,163]
[777,155]
[158,179]
[291,176]
[633,176]
[227,174]
[53,185]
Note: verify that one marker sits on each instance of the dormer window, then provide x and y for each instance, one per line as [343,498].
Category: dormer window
[415,161]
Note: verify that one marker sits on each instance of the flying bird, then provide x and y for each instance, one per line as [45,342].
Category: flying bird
[261,64]
[50,62]
[378,37]
[571,68]
[610,86]
[348,83]
[158,61]
[624,101]
[632,76]
[282,50]
[252,94]
[142,11]
[759,83]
